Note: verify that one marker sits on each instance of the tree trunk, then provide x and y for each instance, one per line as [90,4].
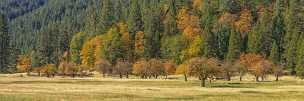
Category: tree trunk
[120,75]
[241,78]
[103,75]
[203,82]
[277,78]
[185,77]
[28,73]
[228,78]
[257,78]
[127,76]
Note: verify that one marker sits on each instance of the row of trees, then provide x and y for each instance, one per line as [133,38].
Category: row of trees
[125,32]
[201,67]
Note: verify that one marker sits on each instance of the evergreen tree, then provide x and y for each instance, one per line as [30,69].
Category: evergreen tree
[114,47]
[278,24]
[223,34]
[274,54]
[92,19]
[210,44]
[234,49]
[260,38]
[291,36]
[170,20]
[4,44]
[135,23]
[76,45]
[300,58]
[152,27]
[107,18]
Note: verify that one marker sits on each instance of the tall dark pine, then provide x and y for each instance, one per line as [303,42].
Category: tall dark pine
[107,16]
[152,26]
[291,36]
[210,38]
[134,22]
[170,20]
[278,24]
[4,44]
[234,49]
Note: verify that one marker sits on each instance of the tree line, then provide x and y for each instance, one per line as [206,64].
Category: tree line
[149,38]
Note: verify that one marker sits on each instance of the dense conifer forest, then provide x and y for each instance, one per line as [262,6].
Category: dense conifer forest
[150,38]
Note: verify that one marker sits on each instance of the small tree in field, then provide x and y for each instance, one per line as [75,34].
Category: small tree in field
[156,68]
[68,68]
[103,66]
[183,69]
[257,65]
[122,68]
[24,64]
[203,68]
[241,69]
[229,70]
[277,71]
[49,70]
[140,68]
[261,69]
[169,68]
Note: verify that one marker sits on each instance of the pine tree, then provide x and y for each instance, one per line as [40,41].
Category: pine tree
[300,58]
[76,45]
[291,36]
[260,38]
[278,24]
[234,49]
[274,54]
[210,38]
[170,20]
[223,34]
[114,49]
[152,38]
[92,19]
[107,18]
[4,44]
[134,22]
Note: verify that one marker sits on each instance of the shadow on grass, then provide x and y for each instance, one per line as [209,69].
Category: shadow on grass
[231,85]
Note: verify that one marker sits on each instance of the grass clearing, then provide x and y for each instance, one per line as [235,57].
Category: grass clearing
[107,89]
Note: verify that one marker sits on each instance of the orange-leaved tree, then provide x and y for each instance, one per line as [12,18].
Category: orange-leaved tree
[204,68]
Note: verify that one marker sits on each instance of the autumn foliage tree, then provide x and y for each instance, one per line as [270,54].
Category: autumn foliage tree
[122,68]
[257,65]
[204,68]
[183,69]
[103,66]
[24,64]
[169,68]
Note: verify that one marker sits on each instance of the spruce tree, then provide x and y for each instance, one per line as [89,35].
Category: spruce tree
[274,54]
[152,26]
[223,34]
[4,44]
[278,24]
[291,36]
[210,38]
[134,22]
[107,18]
[170,20]
[234,49]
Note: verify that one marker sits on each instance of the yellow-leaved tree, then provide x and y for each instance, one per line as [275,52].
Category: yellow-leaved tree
[24,64]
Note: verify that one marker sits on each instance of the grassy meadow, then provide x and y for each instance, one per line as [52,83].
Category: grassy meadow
[113,89]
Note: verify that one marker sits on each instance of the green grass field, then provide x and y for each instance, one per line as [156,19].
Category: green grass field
[106,89]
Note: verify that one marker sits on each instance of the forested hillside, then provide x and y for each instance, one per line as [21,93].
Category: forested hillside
[81,36]
[16,8]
